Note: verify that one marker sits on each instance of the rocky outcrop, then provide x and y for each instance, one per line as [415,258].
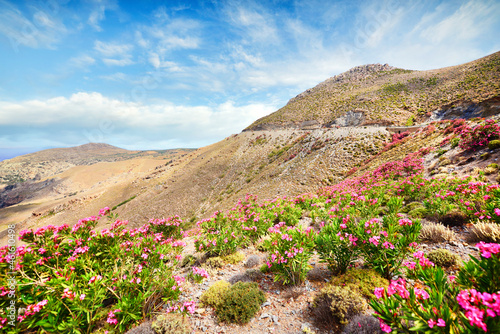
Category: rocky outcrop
[14,194]
[350,118]
[468,109]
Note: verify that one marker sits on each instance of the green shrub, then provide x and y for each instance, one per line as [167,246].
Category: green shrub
[334,248]
[264,268]
[363,281]
[215,262]
[233,258]
[485,156]
[494,144]
[171,323]
[454,142]
[334,306]
[240,303]
[188,260]
[444,258]
[418,212]
[213,296]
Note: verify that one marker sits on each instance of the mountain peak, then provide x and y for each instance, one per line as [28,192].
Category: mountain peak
[95,146]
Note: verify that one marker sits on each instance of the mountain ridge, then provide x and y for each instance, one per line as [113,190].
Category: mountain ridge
[387,95]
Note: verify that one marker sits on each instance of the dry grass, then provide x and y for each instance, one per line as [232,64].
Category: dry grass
[487,232]
[435,232]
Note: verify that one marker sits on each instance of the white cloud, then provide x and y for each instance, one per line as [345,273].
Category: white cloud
[120,53]
[118,76]
[113,49]
[82,61]
[190,125]
[41,31]
[118,62]
[256,23]
[466,23]
[98,12]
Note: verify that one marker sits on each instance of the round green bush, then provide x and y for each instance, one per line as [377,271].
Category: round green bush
[215,262]
[418,212]
[334,306]
[363,281]
[171,323]
[443,258]
[213,296]
[240,303]
[494,144]
[233,258]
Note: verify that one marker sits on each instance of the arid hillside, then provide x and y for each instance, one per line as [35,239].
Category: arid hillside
[292,151]
[382,94]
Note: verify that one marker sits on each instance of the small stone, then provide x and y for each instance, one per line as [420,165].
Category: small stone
[264,316]
[266,304]
[275,318]
[305,328]
[200,310]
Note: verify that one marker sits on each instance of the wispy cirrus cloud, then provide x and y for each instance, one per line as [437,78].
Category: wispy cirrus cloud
[39,30]
[120,53]
[98,12]
[82,61]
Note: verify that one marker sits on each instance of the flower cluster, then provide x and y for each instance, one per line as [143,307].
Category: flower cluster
[80,268]
[478,306]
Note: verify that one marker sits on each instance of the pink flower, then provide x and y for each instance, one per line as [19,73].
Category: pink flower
[82,296]
[384,327]
[431,323]
[422,294]
[104,211]
[441,323]
[497,211]
[388,245]
[410,265]
[379,292]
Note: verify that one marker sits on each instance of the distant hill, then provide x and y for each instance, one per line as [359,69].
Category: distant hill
[42,164]
[382,94]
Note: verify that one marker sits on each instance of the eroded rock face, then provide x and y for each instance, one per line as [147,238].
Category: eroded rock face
[14,194]
[350,118]
[468,109]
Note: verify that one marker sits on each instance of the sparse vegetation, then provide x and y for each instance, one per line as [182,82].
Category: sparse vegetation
[240,303]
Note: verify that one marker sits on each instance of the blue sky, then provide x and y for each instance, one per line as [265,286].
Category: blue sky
[166,74]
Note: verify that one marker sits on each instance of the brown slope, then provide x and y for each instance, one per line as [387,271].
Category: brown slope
[265,163]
